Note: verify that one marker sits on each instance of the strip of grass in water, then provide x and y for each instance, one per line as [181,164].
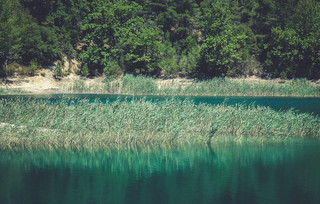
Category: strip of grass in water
[30,124]
[217,86]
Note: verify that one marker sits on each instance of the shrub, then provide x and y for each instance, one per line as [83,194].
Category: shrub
[10,69]
[85,70]
[113,69]
[57,71]
[29,70]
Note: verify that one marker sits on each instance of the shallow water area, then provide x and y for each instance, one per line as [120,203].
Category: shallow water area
[218,173]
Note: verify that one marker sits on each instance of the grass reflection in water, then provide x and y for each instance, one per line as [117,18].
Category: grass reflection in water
[221,173]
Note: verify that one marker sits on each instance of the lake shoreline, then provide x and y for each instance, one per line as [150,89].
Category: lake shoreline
[129,85]
[27,124]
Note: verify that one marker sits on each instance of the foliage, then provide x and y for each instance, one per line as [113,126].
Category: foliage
[10,69]
[85,70]
[22,40]
[168,63]
[101,32]
[29,70]
[112,68]
[222,45]
[140,45]
[167,38]
[58,70]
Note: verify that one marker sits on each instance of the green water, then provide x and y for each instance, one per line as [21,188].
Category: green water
[220,173]
[303,104]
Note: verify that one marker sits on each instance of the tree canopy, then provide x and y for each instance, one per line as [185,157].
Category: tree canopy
[196,38]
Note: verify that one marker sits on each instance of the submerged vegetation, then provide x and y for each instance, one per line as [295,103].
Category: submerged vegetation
[214,87]
[25,123]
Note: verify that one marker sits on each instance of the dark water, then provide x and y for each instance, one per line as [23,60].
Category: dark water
[302,104]
[233,173]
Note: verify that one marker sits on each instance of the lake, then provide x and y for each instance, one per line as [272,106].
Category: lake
[221,173]
[217,173]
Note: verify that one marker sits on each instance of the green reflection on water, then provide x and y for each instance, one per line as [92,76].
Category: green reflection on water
[220,173]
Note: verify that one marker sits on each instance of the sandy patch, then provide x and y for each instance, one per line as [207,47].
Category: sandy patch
[44,82]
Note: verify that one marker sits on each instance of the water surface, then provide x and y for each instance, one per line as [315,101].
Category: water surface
[302,104]
[221,173]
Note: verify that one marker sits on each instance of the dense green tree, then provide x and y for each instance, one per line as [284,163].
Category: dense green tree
[222,46]
[164,37]
[175,17]
[22,40]
[293,51]
[100,32]
[9,24]
[140,46]
[39,9]
[66,26]
[284,55]
[307,25]
[169,61]
[179,21]
[38,43]
[189,58]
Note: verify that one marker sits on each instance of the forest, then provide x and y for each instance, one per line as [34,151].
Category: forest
[163,38]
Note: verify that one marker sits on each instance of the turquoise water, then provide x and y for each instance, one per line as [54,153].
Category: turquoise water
[221,173]
[303,104]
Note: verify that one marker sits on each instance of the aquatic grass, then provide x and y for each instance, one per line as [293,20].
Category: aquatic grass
[26,123]
[130,84]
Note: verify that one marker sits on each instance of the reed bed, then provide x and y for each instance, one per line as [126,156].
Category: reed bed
[214,87]
[25,123]
[225,86]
